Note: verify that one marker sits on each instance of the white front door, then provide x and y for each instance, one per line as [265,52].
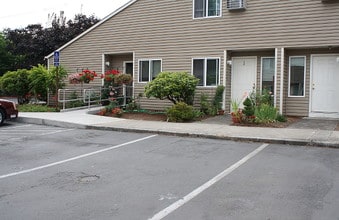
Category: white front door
[325,86]
[243,79]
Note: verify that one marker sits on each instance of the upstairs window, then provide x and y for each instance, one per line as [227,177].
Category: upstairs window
[207,70]
[207,8]
[149,69]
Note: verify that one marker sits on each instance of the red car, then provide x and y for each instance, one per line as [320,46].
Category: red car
[7,110]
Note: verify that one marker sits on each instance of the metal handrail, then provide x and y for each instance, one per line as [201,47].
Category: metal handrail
[85,95]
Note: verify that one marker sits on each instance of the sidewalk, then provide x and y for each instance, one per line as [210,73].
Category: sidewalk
[82,119]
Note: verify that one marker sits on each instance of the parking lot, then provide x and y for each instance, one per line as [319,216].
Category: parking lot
[58,173]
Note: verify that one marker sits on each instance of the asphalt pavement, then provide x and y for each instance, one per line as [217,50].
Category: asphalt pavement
[307,132]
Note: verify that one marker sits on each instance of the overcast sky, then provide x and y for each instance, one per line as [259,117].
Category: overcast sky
[20,13]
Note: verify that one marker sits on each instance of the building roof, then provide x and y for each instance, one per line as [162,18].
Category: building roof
[94,26]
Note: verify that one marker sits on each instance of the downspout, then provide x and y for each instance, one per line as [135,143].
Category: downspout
[224,81]
[275,76]
[133,95]
[103,68]
[282,79]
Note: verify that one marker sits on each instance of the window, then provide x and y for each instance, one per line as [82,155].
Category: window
[267,74]
[297,76]
[207,71]
[149,69]
[207,8]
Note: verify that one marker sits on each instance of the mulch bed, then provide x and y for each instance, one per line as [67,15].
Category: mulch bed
[162,117]
[290,120]
[144,116]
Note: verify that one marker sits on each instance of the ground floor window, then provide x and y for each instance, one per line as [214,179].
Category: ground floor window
[207,70]
[149,69]
[267,74]
[297,72]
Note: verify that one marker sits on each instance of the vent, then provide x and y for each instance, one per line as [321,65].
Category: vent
[236,4]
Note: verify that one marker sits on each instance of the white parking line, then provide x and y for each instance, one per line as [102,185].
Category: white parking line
[163,213]
[74,158]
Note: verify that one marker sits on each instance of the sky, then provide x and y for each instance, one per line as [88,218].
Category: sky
[20,13]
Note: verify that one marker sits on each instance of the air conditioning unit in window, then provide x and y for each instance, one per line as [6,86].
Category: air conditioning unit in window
[236,4]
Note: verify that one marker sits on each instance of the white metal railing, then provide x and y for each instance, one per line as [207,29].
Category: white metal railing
[93,96]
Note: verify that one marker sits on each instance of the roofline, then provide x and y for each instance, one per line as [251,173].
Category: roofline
[118,10]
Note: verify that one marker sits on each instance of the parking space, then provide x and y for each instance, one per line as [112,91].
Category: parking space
[57,173]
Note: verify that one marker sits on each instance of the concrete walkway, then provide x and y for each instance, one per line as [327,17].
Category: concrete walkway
[301,135]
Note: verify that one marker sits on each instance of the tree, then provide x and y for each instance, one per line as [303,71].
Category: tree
[30,45]
[6,58]
[174,86]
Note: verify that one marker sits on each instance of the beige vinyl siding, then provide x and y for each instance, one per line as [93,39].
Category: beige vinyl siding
[166,30]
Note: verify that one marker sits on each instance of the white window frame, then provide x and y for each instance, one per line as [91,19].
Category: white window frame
[205,69]
[206,14]
[289,77]
[149,71]
[261,73]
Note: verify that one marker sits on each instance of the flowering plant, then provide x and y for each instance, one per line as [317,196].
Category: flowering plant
[110,74]
[87,75]
[74,78]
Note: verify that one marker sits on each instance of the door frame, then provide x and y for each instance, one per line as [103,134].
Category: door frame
[315,114]
[232,72]
[124,65]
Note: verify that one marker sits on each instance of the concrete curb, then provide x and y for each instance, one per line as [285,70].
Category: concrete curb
[39,121]
[302,142]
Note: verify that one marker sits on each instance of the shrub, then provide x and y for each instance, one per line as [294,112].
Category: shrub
[204,104]
[39,78]
[263,97]
[57,76]
[112,105]
[218,97]
[16,83]
[265,113]
[248,107]
[174,86]
[181,112]
[281,118]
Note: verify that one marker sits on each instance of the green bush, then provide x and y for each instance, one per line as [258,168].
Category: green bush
[217,101]
[174,86]
[265,113]
[204,104]
[112,105]
[248,107]
[16,83]
[38,82]
[181,112]
[281,118]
